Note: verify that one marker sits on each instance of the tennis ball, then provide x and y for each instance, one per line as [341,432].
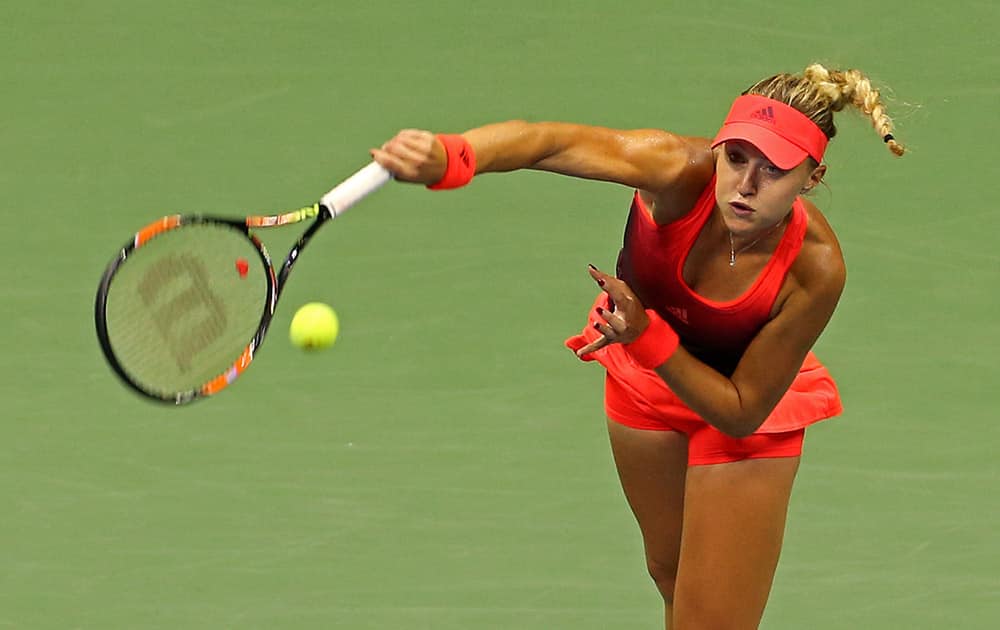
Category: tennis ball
[314,326]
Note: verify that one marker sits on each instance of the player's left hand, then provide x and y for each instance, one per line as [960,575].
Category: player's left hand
[625,321]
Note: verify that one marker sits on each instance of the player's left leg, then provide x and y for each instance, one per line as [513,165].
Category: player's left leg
[734,521]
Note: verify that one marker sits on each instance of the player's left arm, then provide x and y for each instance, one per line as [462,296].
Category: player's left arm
[739,404]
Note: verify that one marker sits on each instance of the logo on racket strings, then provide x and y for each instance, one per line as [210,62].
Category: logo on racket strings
[187,314]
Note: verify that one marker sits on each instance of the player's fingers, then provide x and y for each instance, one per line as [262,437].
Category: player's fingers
[593,346]
[618,292]
[400,169]
[628,319]
[620,296]
[385,159]
[417,140]
[407,150]
[616,323]
[413,155]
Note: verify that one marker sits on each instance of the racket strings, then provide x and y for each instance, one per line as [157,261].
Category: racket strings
[183,307]
[192,294]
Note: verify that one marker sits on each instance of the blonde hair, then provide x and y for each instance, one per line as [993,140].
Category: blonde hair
[819,92]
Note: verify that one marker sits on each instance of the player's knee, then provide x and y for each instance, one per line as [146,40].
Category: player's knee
[664,575]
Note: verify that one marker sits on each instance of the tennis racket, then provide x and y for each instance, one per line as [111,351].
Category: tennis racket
[183,308]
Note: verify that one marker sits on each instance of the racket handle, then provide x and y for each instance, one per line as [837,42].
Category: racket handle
[355,188]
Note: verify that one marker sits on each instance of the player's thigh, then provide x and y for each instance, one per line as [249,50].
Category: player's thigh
[734,523]
[652,466]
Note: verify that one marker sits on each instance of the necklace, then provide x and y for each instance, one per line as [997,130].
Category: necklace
[732,246]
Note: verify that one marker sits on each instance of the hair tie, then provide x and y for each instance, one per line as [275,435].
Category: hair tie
[887,137]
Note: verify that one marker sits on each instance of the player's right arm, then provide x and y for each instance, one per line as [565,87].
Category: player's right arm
[659,162]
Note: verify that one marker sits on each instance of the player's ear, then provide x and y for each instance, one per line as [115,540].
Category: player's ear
[816,176]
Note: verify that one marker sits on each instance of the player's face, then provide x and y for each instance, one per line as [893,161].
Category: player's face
[753,194]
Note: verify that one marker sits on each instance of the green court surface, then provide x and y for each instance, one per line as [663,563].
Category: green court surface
[445,465]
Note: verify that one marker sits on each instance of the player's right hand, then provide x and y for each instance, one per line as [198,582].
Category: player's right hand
[413,155]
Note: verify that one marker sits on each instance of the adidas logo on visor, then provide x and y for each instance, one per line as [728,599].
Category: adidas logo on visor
[766,114]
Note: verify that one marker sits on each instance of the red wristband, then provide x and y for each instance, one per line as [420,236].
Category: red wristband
[461,163]
[656,344]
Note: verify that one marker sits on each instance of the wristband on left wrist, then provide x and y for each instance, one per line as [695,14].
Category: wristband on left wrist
[655,345]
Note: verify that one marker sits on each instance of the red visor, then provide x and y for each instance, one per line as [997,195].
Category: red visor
[782,133]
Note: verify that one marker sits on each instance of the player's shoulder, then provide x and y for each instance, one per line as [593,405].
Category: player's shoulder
[679,168]
[677,156]
[820,264]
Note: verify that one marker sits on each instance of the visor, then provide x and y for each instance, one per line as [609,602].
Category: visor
[782,133]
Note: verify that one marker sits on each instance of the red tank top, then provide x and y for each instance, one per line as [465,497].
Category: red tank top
[652,263]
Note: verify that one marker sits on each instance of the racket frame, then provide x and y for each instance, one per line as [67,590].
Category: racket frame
[163,226]
[334,203]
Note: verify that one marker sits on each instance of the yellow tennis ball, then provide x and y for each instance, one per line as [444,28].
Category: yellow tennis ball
[314,326]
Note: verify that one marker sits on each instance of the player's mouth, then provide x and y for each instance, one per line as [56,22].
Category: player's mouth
[741,209]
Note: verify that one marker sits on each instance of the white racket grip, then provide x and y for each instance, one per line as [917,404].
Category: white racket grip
[355,188]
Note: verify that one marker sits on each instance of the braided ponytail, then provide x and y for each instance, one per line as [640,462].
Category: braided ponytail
[820,92]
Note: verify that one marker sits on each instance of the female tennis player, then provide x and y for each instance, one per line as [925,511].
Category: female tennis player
[726,279]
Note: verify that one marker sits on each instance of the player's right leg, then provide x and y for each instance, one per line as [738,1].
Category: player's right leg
[652,466]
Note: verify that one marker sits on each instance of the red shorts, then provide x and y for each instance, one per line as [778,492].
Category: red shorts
[706,444]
